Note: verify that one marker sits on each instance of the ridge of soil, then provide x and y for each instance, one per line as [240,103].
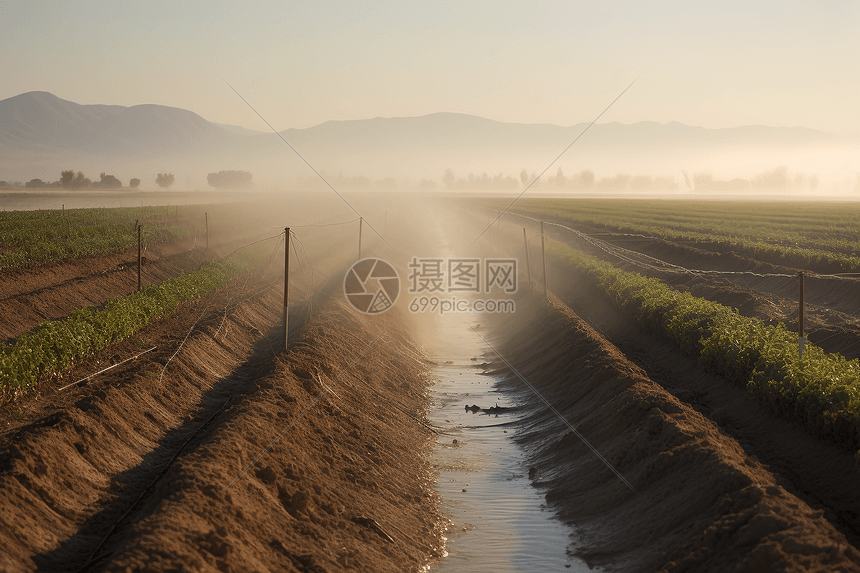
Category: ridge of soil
[31,296]
[822,473]
[830,303]
[714,254]
[96,463]
[701,502]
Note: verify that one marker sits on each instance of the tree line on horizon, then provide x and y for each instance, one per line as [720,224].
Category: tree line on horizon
[69,179]
[777,179]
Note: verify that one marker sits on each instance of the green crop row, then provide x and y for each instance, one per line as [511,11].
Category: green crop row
[787,233]
[821,390]
[55,345]
[30,238]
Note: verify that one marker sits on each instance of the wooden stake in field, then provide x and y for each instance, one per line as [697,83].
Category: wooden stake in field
[801,341]
[528,266]
[543,256]
[286,286]
[138,256]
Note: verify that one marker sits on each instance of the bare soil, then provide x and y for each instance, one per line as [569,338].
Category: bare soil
[755,287]
[51,292]
[701,501]
[220,453]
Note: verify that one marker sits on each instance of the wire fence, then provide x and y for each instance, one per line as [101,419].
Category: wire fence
[642,260]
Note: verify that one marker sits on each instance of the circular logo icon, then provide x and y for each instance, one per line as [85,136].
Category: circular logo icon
[371,286]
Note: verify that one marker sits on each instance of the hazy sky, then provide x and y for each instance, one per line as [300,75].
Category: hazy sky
[714,64]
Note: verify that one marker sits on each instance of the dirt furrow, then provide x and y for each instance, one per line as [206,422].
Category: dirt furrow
[824,475]
[31,296]
[89,451]
[92,475]
[701,502]
[345,485]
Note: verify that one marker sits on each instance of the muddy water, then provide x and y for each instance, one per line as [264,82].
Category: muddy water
[499,522]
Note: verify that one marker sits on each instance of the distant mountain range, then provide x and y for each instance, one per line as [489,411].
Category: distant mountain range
[41,134]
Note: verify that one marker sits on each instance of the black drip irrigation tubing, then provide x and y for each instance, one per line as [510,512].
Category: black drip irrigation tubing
[94,557]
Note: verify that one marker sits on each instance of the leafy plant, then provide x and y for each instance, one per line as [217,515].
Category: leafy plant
[795,234]
[55,345]
[30,238]
[821,390]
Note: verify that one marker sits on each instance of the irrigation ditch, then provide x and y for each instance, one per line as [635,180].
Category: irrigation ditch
[143,470]
[560,436]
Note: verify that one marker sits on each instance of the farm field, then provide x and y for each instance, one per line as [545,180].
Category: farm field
[207,446]
[821,237]
[755,283]
[639,292]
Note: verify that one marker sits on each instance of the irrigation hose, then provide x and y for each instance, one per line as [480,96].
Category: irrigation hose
[106,369]
[94,555]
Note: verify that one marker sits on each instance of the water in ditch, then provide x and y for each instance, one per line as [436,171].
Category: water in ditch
[499,520]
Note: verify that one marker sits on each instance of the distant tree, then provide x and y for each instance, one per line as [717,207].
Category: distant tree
[134,183]
[229,179]
[35,184]
[524,177]
[448,178]
[776,179]
[703,181]
[108,182]
[80,181]
[813,182]
[616,183]
[585,180]
[66,178]
[165,180]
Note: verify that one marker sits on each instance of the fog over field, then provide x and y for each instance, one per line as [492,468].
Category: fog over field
[717,98]
[43,134]
[429,286]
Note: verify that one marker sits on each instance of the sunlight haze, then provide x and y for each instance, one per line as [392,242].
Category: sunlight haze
[713,64]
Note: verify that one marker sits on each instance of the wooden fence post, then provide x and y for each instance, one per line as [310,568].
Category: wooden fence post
[138,257]
[286,286]
[543,256]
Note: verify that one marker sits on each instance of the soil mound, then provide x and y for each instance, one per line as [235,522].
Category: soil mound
[237,457]
[51,292]
[700,503]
